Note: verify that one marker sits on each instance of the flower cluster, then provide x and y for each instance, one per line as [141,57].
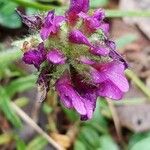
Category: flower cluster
[76,57]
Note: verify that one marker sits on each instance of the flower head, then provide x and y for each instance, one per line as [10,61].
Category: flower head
[76,6]
[35,56]
[81,96]
[51,25]
[56,57]
[78,59]
[34,21]
[92,23]
[108,76]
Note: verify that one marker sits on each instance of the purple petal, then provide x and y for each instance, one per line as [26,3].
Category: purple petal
[35,56]
[31,21]
[78,37]
[99,14]
[114,54]
[69,96]
[110,90]
[86,60]
[55,56]
[92,23]
[51,25]
[116,74]
[76,6]
[100,50]
[88,91]
[105,27]
[90,104]
[111,44]
[112,72]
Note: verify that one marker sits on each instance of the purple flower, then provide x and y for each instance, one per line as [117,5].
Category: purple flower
[86,60]
[79,60]
[51,25]
[55,56]
[76,6]
[69,96]
[111,79]
[95,22]
[114,54]
[35,56]
[78,37]
[34,21]
[78,95]
[100,50]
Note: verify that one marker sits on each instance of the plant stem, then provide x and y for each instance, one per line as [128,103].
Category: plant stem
[30,122]
[109,13]
[32,4]
[120,13]
[138,83]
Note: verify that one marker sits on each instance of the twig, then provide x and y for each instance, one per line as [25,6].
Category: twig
[115,119]
[29,121]
[130,74]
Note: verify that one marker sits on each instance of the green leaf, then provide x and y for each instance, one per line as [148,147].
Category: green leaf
[79,145]
[10,55]
[20,144]
[123,13]
[47,109]
[21,102]
[71,114]
[97,3]
[90,136]
[125,40]
[142,144]
[7,110]
[37,144]
[8,17]
[98,122]
[21,84]
[137,137]
[5,138]
[107,143]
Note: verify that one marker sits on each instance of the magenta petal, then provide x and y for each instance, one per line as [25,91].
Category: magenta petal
[51,25]
[88,91]
[76,6]
[78,37]
[90,104]
[35,56]
[97,77]
[69,96]
[34,21]
[110,90]
[114,54]
[86,60]
[91,23]
[100,50]
[116,74]
[111,44]
[112,72]
[55,56]
[105,27]
[99,14]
